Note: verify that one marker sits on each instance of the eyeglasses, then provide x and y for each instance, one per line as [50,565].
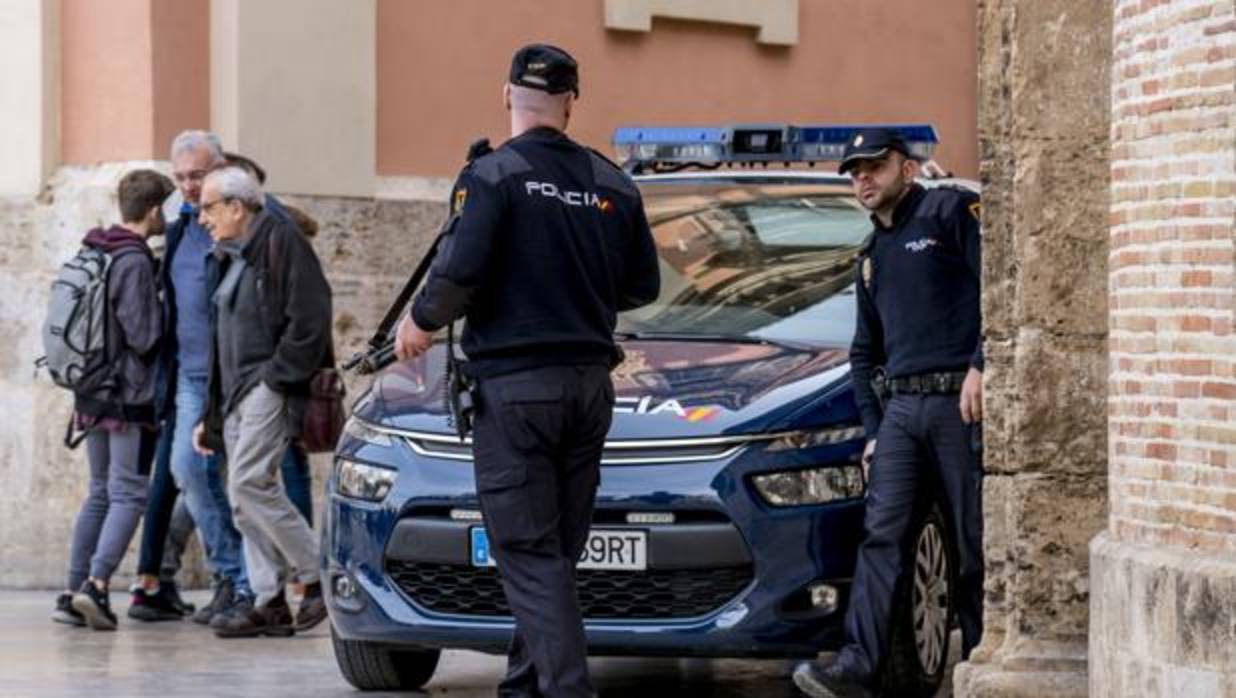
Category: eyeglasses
[190,176]
[205,207]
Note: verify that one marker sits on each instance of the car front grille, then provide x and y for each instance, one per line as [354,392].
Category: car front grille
[603,594]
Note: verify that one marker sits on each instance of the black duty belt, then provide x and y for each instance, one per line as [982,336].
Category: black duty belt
[928,383]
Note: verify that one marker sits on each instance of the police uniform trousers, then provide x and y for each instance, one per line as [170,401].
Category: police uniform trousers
[537,442]
[922,444]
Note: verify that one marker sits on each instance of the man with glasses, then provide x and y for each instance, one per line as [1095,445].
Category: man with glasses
[186,291]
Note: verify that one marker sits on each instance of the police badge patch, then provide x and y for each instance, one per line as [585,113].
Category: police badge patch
[460,197]
[867,272]
[976,210]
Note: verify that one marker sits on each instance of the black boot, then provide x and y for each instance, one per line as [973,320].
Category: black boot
[840,678]
[274,619]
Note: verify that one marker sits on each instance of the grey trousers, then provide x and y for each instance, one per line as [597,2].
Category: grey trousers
[278,544]
[114,504]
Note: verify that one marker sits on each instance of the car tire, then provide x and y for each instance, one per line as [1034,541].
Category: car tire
[370,666]
[925,610]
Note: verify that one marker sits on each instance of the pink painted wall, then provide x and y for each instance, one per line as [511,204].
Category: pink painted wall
[134,73]
[106,90]
[441,67]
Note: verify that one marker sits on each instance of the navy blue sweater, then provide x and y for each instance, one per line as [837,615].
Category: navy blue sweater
[918,294]
[547,242]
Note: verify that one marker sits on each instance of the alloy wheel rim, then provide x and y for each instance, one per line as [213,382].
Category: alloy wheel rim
[930,598]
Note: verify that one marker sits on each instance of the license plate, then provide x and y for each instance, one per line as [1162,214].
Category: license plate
[606,550]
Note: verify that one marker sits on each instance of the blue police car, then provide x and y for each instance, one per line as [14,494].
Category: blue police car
[731,500]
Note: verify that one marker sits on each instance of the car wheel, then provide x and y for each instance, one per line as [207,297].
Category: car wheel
[371,666]
[925,609]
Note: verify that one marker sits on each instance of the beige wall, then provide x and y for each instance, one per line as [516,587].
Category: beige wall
[292,85]
[441,67]
[29,94]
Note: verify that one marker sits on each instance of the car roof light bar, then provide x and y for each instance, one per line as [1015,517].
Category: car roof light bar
[667,148]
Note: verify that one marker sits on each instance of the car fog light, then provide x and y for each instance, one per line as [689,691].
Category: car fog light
[824,596]
[361,481]
[791,488]
[345,588]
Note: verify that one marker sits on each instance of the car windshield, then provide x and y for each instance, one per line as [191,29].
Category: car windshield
[752,261]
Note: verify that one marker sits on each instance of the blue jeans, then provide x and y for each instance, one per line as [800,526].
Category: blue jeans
[200,480]
[298,481]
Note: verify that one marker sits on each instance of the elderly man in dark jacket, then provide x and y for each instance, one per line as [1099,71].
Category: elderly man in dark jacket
[271,331]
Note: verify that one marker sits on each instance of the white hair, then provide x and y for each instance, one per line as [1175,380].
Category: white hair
[190,141]
[236,183]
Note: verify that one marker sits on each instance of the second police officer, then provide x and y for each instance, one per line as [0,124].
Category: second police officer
[548,242]
[918,318]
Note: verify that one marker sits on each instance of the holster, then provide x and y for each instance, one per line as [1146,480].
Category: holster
[879,385]
[460,400]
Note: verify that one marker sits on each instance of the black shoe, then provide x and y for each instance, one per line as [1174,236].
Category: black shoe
[65,613]
[312,608]
[169,589]
[225,596]
[840,679]
[148,607]
[95,606]
[274,619]
[242,602]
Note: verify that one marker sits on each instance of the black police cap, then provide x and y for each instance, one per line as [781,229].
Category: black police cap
[872,144]
[546,68]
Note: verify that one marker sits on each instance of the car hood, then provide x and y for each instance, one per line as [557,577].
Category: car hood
[664,389]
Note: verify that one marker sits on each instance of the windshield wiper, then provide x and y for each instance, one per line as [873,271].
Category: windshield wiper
[704,337]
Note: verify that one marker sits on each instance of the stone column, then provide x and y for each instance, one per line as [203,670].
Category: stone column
[293,85]
[1044,150]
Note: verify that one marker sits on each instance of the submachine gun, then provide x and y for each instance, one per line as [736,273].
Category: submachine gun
[380,351]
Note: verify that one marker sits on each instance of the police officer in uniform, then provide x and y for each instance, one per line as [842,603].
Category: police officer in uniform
[548,242]
[918,320]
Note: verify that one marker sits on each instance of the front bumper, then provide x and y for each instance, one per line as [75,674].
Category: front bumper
[726,535]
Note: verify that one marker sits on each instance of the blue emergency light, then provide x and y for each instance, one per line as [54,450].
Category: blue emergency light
[676,147]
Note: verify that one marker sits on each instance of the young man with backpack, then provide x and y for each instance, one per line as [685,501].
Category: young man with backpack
[102,340]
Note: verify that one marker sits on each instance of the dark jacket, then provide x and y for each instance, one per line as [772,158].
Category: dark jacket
[135,326]
[917,290]
[548,241]
[165,393]
[288,339]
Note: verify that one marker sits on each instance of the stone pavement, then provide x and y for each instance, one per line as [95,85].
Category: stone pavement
[39,658]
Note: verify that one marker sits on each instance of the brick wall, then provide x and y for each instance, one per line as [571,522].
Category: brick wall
[1172,403]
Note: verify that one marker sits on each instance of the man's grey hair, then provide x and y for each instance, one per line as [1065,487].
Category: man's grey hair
[236,183]
[190,141]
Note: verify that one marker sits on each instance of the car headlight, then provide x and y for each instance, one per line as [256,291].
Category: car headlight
[361,481]
[362,431]
[819,437]
[792,488]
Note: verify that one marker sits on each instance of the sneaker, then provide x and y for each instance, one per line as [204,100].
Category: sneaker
[224,597]
[839,679]
[172,592]
[65,613]
[312,608]
[274,620]
[145,606]
[95,606]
